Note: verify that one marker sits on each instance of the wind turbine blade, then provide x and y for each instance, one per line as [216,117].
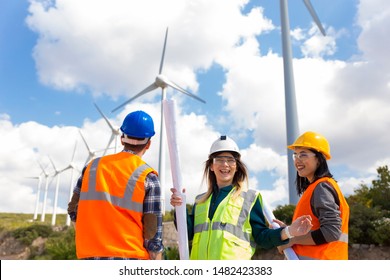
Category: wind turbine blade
[56,171]
[104,117]
[66,168]
[90,153]
[163,53]
[177,87]
[33,177]
[313,14]
[52,163]
[149,88]
[85,141]
[43,169]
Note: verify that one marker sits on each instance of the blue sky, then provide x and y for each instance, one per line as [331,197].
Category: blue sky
[57,60]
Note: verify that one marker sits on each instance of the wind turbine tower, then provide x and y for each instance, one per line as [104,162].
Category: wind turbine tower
[57,174]
[163,82]
[45,192]
[39,178]
[72,167]
[289,90]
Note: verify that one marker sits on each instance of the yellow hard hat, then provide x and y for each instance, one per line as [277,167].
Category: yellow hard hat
[313,140]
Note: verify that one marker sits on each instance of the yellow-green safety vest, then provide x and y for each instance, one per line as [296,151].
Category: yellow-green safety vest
[228,236]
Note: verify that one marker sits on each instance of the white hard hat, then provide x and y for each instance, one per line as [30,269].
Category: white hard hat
[224,144]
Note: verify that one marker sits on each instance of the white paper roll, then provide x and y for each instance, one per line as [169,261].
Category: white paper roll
[181,215]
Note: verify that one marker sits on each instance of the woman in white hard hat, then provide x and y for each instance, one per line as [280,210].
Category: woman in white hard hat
[321,198]
[227,221]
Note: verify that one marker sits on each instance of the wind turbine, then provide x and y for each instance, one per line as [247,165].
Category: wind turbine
[163,82]
[289,89]
[45,193]
[115,133]
[39,178]
[91,153]
[72,167]
[57,174]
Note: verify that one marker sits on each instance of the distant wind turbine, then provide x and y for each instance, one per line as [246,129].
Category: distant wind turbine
[39,178]
[72,167]
[289,88]
[115,133]
[163,82]
[45,193]
[91,153]
[57,174]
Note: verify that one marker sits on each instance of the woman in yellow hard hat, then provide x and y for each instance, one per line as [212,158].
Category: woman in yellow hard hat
[321,198]
[227,222]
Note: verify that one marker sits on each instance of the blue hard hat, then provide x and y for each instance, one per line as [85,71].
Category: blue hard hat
[138,124]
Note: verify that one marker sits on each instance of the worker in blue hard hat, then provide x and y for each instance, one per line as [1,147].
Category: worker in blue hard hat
[116,204]
[137,126]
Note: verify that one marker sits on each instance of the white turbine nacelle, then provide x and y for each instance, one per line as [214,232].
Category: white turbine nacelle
[162,81]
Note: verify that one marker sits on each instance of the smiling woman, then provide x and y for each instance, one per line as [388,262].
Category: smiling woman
[227,222]
[321,198]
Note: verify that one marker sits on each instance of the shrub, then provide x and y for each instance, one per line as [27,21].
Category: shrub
[381,233]
[284,213]
[171,253]
[27,235]
[62,246]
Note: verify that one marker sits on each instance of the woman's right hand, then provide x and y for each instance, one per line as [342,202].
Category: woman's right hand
[176,199]
[301,225]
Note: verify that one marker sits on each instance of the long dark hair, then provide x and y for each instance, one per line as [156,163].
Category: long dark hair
[322,171]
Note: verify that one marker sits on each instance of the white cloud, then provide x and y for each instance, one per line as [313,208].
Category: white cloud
[114,43]
[277,196]
[318,45]
[264,159]
[114,49]
[350,184]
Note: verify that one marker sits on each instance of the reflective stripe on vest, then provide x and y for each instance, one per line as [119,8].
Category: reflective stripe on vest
[236,230]
[333,250]
[203,230]
[123,202]
[113,191]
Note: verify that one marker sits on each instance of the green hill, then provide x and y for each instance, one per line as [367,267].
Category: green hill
[23,238]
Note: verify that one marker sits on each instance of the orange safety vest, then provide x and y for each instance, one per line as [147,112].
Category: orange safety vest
[110,210]
[336,250]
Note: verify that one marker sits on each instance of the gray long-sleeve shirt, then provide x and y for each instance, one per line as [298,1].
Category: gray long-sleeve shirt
[325,205]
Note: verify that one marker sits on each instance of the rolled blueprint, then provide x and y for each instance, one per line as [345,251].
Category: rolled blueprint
[288,252]
[181,215]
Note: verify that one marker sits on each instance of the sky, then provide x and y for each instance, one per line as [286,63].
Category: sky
[59,58]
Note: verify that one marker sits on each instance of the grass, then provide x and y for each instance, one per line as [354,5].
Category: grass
[11,221]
